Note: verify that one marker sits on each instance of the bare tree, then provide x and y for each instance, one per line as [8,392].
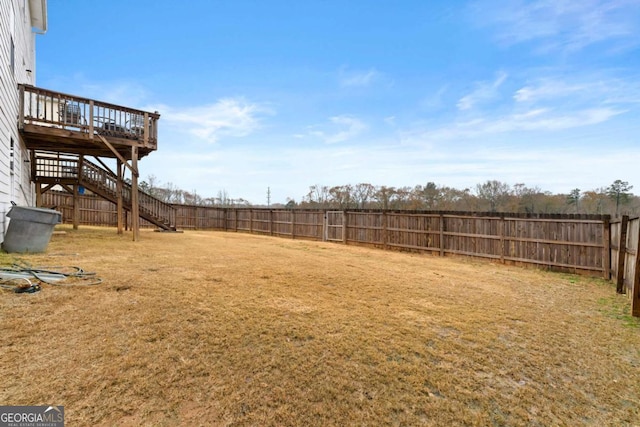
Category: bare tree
[340,196]
[494,192]
[318,195]
[362,193]
[383,196]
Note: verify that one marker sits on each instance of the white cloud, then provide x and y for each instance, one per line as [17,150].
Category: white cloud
[390,120]
[434,100]
[342,128]
[546,89]
[557,167]
[540,119]
[233,117]
[484,91]
[597,89]
[562,25]
[358,78]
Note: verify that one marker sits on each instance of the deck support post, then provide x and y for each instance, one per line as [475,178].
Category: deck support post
[76,206]
[135,211]
[119,205]
[38,195]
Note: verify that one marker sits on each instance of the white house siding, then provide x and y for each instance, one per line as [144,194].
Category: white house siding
[15,25]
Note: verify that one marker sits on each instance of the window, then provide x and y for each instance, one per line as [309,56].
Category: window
[11,156]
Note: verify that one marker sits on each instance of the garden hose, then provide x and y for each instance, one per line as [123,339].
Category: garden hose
[61,276]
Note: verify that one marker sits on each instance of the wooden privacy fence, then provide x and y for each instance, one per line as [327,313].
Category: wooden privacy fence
[584,244]
[625,261]
[576,243]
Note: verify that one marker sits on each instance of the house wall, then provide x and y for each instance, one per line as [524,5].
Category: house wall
[16,30]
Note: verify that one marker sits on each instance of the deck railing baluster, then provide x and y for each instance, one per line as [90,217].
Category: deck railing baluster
[45,107]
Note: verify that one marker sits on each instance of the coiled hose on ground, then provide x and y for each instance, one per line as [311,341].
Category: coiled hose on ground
[20,277]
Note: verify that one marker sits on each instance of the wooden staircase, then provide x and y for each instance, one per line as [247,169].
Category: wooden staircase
[54,168]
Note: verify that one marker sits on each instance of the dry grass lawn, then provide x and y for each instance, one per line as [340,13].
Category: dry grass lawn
[212,328]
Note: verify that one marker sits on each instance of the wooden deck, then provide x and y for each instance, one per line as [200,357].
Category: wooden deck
[58,123]
[54,121]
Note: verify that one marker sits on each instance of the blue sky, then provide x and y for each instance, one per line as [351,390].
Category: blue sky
[289,94]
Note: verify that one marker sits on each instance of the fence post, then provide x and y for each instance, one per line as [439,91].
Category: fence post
[503,232]
[607,249]
[251,221]
[635,283]
[293,223]
[344,227]
[324,226]
[441,234]
[622,254]
[270,222]
[385,218]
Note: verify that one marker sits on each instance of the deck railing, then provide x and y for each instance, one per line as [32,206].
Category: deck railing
[55,109]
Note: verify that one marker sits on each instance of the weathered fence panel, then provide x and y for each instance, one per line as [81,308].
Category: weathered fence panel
[411,231]
[631,278]
[472,235]
[618,251]
[261,221]
[308,224]
[631,254]
[199,217]
[282,223]
[363,227]
[566,243]
[244,220]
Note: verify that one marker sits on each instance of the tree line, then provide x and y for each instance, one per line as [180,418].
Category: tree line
[490,196]
[170,193]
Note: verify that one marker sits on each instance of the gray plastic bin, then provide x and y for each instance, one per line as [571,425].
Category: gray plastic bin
[30,229]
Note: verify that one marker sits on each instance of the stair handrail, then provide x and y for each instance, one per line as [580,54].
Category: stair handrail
[55,166]
[146,202]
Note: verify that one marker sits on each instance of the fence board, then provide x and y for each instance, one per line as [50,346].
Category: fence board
[631,254]
[631,277]
[618,233]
